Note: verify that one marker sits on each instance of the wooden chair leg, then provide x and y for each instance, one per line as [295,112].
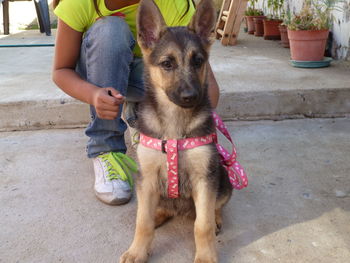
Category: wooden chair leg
[220,23]
[6,17]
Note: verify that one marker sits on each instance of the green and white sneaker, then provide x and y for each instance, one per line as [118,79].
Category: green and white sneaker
[113,177]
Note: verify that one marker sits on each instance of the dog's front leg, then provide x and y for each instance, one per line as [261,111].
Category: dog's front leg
[204,226]
[148,198]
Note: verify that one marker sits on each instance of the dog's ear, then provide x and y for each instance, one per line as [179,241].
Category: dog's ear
[150,24]
[204,20]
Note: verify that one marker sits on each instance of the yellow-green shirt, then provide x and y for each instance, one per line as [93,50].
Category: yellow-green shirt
[80,15]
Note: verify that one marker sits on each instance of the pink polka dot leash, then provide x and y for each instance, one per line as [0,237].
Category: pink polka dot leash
[237,176]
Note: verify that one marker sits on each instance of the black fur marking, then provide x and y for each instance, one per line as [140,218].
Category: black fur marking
[181,37]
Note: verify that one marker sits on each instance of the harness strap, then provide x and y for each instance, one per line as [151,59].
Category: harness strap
[172,167]
[171,148]
[237,176]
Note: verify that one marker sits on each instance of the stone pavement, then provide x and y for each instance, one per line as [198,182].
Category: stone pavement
[295,209]
[255,79]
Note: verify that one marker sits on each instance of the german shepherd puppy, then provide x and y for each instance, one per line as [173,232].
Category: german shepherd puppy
[176,106]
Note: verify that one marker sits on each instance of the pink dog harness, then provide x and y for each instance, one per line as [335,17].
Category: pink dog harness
[237,176]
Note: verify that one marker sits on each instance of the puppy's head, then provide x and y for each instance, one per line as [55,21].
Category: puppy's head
[176,58]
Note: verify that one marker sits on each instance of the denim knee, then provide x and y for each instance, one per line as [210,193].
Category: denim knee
[111,35]
[107,53]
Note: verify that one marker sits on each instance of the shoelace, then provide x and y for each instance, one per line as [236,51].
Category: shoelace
[135,138]
[119,166]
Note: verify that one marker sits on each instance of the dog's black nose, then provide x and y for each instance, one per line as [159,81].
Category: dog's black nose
[188,96]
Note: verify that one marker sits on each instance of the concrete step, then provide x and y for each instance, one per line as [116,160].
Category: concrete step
[295,209]
[28,97]
[255,79]
[258,82]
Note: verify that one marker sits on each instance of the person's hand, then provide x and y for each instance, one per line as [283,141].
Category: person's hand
[106,102]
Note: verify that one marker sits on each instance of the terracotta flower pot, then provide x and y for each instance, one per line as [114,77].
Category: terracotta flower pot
[271,31]
[259,26]
[284,36]
[307,45]
[251,26]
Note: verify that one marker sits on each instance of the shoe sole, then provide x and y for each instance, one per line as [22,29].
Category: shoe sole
[115,202]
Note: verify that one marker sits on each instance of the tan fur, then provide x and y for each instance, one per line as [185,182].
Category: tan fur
[148,198]
[218,213]
[153,166]
[162,215]
[197,195]
[180,124]
[204,226]
[155,160]
[157,76]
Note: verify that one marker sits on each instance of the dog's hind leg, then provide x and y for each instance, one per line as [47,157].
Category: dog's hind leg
[218,221]
[162,216]
[147,203]
[220,203]
[204,226]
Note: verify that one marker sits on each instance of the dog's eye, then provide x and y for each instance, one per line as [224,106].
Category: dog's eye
[197,61]
[167,65]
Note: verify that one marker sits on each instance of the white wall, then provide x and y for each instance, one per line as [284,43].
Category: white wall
[341,27]
[341,30]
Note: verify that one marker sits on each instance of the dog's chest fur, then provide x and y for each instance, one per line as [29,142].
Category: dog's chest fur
[172,122]
[193,164]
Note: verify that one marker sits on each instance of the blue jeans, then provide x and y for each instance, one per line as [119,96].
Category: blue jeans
[107,60]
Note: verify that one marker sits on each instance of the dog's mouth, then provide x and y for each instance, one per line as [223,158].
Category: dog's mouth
[186,105]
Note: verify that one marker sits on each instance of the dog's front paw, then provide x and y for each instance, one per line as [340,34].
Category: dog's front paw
[132,257]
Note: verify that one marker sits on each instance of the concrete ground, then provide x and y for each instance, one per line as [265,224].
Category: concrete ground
[255,78]
[295,209]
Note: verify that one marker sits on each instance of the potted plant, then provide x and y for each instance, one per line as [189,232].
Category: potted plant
[252,13]
[287,16]
[308,31]
[258,24]
[271,23]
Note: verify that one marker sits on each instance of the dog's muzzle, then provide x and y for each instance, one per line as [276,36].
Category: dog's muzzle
[189,97]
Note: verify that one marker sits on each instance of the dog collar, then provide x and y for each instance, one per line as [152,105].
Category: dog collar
[237,176]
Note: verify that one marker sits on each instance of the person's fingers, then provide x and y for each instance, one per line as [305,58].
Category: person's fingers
[105,98]
[111,100]
[116,94]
